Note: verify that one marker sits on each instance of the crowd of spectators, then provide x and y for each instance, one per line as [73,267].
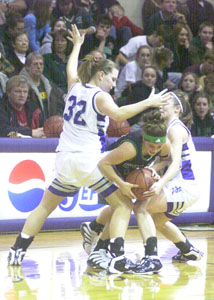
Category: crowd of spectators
[173,48]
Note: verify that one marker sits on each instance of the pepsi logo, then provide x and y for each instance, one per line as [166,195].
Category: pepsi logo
[26,185]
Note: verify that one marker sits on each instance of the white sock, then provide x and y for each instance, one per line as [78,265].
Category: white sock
[24,235]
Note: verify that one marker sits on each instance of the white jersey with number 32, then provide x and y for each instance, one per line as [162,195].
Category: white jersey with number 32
[85,126]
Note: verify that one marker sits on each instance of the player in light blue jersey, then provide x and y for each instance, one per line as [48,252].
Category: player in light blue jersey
[81,146]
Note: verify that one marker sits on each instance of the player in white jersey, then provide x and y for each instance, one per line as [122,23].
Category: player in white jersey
[88,106]
[176,190]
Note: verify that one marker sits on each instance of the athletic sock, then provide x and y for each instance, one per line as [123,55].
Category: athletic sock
[151,246]
[96,226]
[22,243]
[116,246]
[184,247]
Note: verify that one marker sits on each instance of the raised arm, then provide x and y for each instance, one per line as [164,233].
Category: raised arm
[107,106]
[77,39]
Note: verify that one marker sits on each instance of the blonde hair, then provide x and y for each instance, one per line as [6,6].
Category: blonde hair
[91,66]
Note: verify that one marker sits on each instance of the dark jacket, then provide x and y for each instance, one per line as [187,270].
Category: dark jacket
[203,127]
[9,122]
[55,70]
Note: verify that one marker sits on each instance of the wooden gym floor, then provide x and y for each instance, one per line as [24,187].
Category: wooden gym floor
[55,268]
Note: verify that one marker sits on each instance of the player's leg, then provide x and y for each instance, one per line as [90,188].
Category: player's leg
[150,263]
[121,211]
[122,208]
[186,250]
[91,230]
[32,226]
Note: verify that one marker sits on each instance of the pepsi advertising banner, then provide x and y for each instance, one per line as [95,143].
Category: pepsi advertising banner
[24,176]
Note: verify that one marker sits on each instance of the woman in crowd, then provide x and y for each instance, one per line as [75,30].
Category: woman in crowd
[162,60]
[55,62]
[189,83]
[37,23]
[203,120]
[139,91]
[132,71]
[19,51]
[179,45]
[46,46]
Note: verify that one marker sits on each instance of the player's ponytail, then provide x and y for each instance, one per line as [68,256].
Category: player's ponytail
[153,123]
[91,66]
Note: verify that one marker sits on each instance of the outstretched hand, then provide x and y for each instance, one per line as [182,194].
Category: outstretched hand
[75,36]
[160,99]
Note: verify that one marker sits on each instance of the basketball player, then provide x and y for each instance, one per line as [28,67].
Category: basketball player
[184,193]
[80,148]
[135,150]
[176,190]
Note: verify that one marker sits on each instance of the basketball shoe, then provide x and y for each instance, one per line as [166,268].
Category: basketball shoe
[90,237]
[193,254]
[121,264]
[149,265]
[99,259]
[17,252]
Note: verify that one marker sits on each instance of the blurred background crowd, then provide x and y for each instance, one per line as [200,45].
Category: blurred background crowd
[173,48]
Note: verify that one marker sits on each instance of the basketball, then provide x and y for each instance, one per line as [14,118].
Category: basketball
[53,126]
[143,178]
[117,129]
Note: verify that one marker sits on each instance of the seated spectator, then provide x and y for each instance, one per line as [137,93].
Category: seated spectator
[132,71]
[13,5]
[14,24]
[209,88]
[18,53]
[162,60]
[202,43]
[125,29]
[36,23]
[17,113]
[167,16]
[152,7]
[127,53]
[200,11]
[3,80]
[94,7]
[203,120]
[55,62]
[179,45]
[101,40]
[46,46]
[6,67]
[189,83]
[204,68]
[139,91]
[45,94]
[70,13]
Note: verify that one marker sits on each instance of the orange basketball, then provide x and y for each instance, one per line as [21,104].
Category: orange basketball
[53,126]
[143,178]
[117,129]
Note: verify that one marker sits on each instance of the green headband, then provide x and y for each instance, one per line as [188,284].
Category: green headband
[155,139]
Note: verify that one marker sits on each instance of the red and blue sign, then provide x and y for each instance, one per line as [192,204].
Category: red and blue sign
[26,185]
